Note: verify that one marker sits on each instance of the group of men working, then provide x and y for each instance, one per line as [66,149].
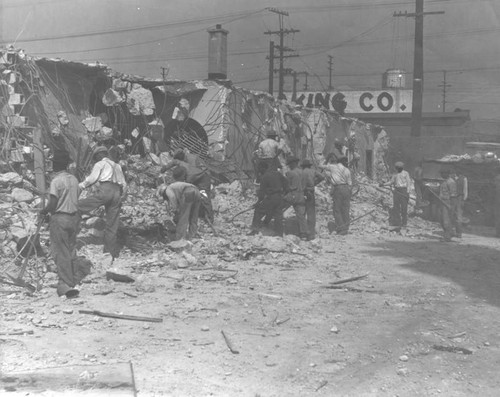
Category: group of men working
[189,198]
[277,192]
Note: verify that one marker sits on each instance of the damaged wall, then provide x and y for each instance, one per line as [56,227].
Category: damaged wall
[79,106]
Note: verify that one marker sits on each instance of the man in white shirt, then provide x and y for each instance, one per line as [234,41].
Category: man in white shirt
[340,178]
[268,151]
[400,183]
[111,187]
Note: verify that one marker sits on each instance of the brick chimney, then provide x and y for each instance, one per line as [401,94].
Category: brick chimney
[217,53]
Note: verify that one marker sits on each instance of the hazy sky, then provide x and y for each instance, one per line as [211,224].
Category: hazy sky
[141,36]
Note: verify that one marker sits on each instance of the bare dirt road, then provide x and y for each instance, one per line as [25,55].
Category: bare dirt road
[423,322]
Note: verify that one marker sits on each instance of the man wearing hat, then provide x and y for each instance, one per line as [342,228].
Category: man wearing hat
[448,196]
[311,178]
[108,178]
[295,195]
[340,178]
[268,151]
[64,223]
[400,183]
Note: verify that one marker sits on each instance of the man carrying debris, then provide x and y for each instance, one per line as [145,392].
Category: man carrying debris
[311,178]
[295,195]
[448,196]
[273,186]
[184,200]
[340,178]
[400,183]
[110,189]
[197,176]
[64,223]
[268,151]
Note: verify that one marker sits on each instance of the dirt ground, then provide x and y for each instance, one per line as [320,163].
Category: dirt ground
[423,322]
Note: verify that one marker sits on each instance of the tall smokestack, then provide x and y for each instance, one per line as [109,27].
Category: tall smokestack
[217,53]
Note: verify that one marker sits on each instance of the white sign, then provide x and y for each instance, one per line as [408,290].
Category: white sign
[383,101]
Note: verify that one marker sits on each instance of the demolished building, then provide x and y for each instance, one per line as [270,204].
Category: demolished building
[77,106]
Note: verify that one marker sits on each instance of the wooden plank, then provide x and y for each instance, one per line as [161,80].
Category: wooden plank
[89,380]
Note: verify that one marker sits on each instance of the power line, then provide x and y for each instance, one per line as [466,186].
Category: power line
[135,29]
[140,43]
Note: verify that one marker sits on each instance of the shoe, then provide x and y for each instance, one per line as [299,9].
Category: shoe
[66,290]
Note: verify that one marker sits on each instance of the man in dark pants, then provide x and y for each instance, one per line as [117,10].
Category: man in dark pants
[270,194]
[184,200]
[400,183]
[311,178]
[64,224]
[448,196]
[295,195]
[340,178]
[109,191]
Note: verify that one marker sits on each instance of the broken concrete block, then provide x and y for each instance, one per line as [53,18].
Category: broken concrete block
[140,101]
[15,99]
[165,158]
[104,134]
[192,260]
[10,178]
[92,124]
[112,97]
[21,195]
[181,263]
[180,245]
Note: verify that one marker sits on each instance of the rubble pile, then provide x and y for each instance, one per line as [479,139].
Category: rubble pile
[18,211]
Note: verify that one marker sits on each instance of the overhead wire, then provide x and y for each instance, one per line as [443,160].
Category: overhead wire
[139,28]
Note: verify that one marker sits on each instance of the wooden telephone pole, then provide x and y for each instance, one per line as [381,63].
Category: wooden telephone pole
[445,86]
[281,50]
[418,64]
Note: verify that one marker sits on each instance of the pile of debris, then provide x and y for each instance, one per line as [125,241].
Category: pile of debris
[18,211]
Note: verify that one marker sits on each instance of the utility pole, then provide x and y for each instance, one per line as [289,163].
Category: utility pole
[271,67]
[306,87]
[281,48]
[445,86]
[295,80]
[418,64]
[330,70]
[164,72]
